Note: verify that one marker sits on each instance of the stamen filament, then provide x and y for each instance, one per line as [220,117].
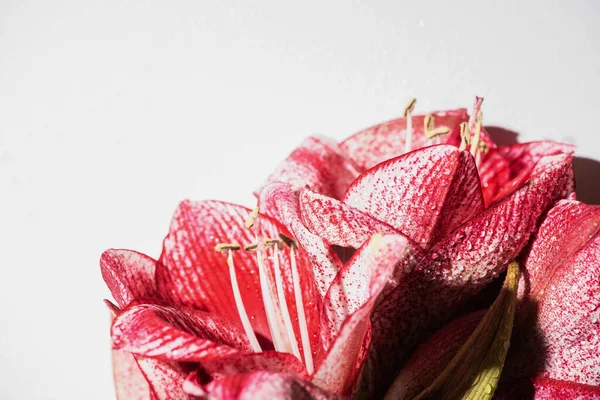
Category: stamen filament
[240,305]
[272,320]
[283,305]
[308,360]
[407,113]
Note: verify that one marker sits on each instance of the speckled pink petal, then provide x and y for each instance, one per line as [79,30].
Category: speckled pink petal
[550,389]
[319,164]
[280,201]
[130,383]
[461,264]
[567,227]
[336,222]
[128,275]
[271,361]
[378,143]
[265,385]
[431,358]
[507,167]
[563,342]
[176,334]
[166,379]
[347,307]
[424,194]
[192,273]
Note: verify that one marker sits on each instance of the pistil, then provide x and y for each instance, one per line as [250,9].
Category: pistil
[407,113]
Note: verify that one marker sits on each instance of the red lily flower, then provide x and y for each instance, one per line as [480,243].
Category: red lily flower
[209,310]
[432,196]
[554,352]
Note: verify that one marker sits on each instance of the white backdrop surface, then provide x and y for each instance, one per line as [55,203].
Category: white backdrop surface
[111,112]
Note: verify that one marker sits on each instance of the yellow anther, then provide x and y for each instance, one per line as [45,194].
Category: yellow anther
[439,131]
[428,123]
[289,242]
[409,107]
[224,247]
[251,217]
[273,242]
[251,247]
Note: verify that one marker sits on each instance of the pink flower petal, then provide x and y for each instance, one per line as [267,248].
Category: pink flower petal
[130,383]
[381,142]
[128,275]
[336,222]
[271,361]
[424,194]
[461,264]
[348,306]
[431,358]
[563,342]
[550,389]
[280,201]
[567,227]
[507,167]
[166,379]
[319,164]
[176,334]
[265,385]
[192,273]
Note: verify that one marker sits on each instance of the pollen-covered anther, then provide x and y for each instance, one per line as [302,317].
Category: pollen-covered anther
[407,113]
[289,242]
[224,247]
[273,243]
[465,136]
[483,147]
[408,109]
[251,247]
[251,217]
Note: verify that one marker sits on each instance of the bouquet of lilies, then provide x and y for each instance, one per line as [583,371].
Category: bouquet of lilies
[414,260]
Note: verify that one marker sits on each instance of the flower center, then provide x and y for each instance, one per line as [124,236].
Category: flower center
[273,294]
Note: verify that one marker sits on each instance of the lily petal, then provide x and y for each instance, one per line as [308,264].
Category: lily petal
[265,385]
[336,222]
[507,167]
[461,264]
[191,273]
[166,379]
[424,194]
[431,358]
[128,275]
[563,342]
[271,361]
[567,227]
[319,164]
[378,143]
[550,389]
[282,203]
[348,305]
[176,334]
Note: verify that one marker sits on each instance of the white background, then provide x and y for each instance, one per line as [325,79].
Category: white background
[113,112]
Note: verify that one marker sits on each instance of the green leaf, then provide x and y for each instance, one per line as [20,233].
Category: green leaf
[474,371]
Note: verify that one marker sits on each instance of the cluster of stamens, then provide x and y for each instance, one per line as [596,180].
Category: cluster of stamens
[275,305]
[469,132]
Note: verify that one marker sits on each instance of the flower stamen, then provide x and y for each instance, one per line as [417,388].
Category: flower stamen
[407,113]
[465,136]
[430,131]
[225,247]
[240,305]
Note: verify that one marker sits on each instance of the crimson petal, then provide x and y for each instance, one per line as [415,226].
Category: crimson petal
[550,389]
[378,143]
[462,263]
[190,272]
[280,201]
[319,164]
[424,194]
[166,379]
[128,275]
[176,334]
[507,167]
[337,222]
[264,385]
[348,305]
[243,363]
